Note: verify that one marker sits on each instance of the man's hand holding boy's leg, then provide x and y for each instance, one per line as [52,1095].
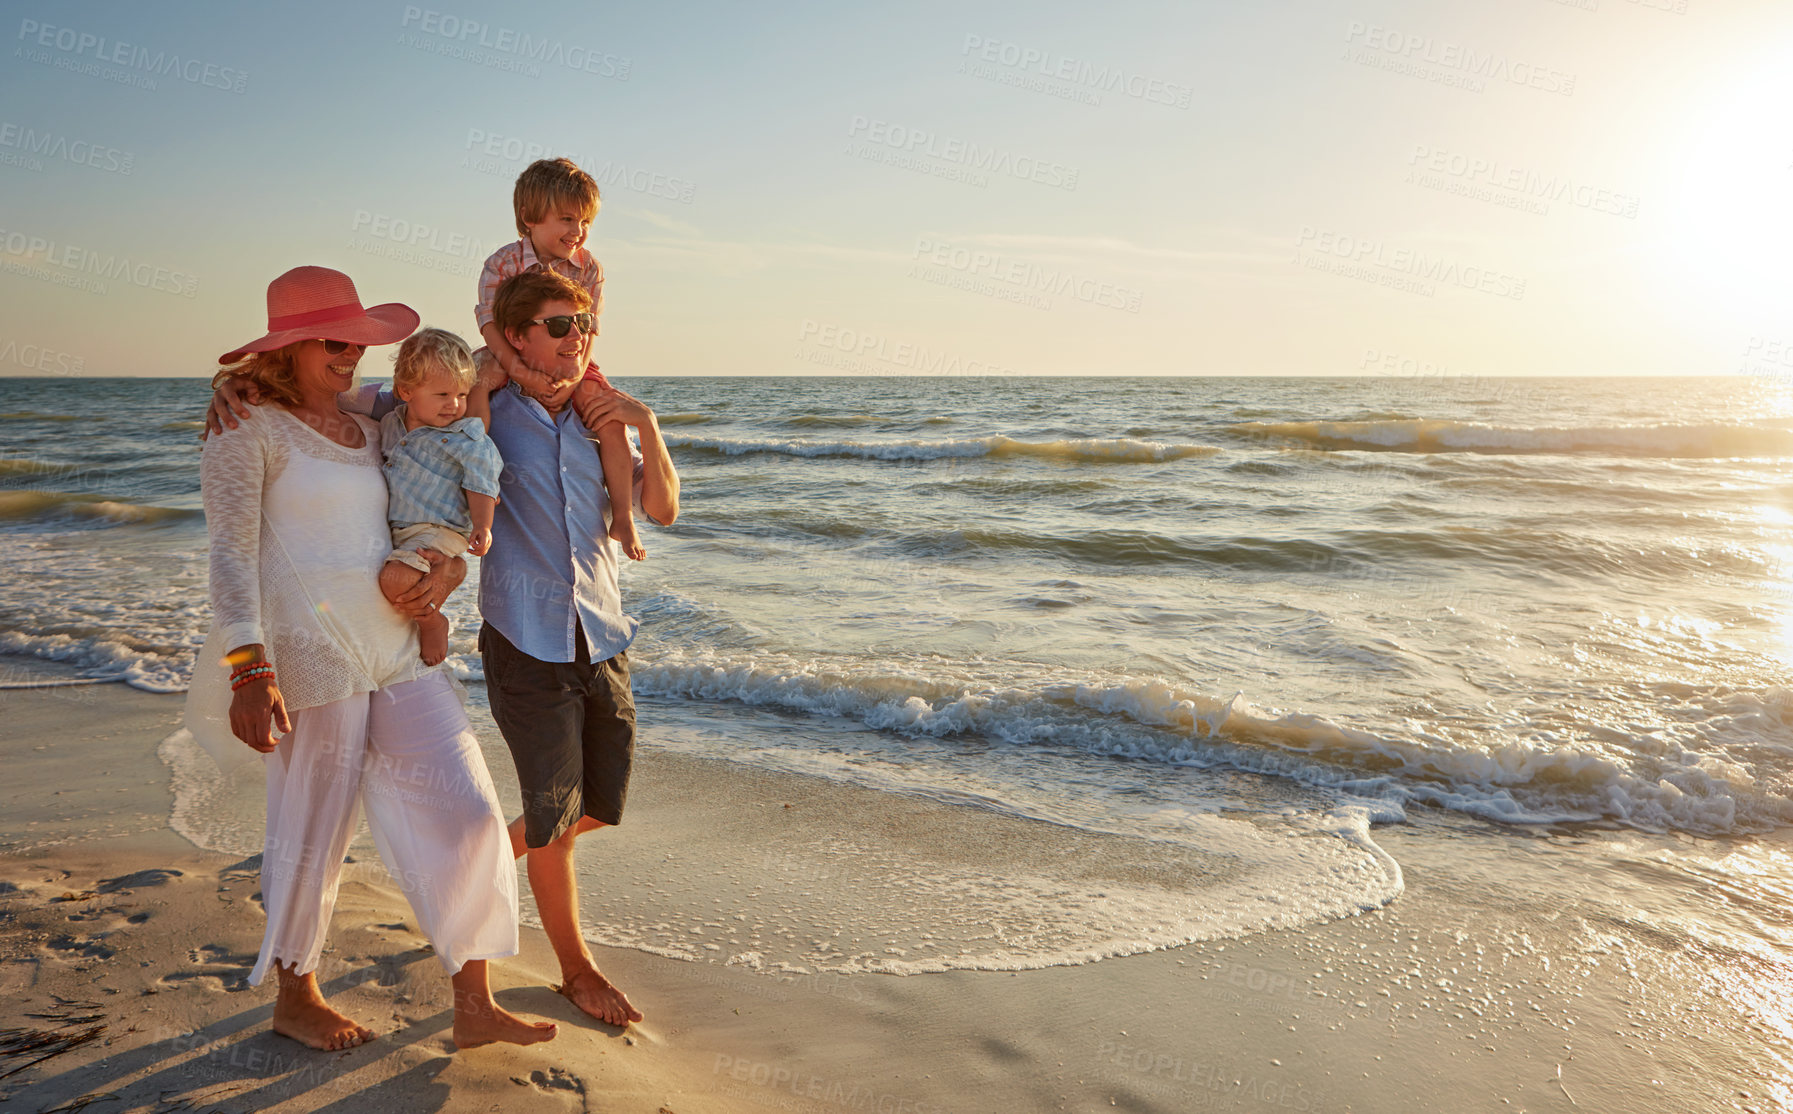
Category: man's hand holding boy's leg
[421,595]
[433,589]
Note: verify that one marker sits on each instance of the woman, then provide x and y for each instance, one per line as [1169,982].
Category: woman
[296,507]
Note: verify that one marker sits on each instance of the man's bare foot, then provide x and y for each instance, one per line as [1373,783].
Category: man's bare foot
[593,993]
[314,1024]
[432,638]
[477,1023]
[622,531]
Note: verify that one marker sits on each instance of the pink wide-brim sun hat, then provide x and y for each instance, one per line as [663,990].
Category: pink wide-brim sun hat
[316,303]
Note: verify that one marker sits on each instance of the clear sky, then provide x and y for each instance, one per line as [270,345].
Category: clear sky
[1474,187]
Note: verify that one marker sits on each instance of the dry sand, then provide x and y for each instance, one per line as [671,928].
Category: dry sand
[123,950]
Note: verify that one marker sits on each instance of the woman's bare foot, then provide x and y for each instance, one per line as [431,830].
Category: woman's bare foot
[594,994]
[622,531]
[484,1023]
[301,1013]
[316,1025]
[432,638]
[479,1020]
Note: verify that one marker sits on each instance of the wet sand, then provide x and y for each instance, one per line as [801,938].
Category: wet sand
[1492,983]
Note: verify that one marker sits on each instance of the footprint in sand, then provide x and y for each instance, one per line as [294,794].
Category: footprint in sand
[552,1079]
[386,970]
[84,946]
[227,970]
[17,973]
[248,870]
[141,879]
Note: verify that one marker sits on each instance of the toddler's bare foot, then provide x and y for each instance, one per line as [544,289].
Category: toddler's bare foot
[310,1021]
[622,531]
[432,638]
[477,1023]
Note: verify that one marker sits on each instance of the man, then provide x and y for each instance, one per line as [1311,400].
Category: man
[555,638]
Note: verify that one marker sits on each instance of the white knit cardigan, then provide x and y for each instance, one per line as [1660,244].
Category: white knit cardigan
[298,534]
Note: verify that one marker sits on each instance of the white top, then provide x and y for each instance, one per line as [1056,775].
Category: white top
[298,535]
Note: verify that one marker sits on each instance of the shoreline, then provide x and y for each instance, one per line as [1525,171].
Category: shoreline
[1470,991]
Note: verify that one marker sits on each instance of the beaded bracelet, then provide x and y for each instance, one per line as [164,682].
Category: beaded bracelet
[245,674]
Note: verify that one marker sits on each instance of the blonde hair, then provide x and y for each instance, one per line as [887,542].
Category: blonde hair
[546,182]
[274,374]
[429,350]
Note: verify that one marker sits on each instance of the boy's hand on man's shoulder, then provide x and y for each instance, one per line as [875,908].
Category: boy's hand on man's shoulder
[230,401]
[490,374]
[597,405]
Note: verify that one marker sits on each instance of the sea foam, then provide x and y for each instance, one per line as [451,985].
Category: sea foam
[1427,435]
[1097,450]
[1518,775]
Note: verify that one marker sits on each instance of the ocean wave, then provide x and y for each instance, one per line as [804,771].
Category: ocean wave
[36,505]
[1498,776]
[181,427]
[1114,450]
[937,541]
[1057,485]
[832,421]
[105,657]
[1385,558]
[16,467]
[1422,435]
[684,419]
[37,416]
[1131,549]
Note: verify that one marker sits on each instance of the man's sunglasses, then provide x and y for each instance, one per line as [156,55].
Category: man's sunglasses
[338,347]
[560,324]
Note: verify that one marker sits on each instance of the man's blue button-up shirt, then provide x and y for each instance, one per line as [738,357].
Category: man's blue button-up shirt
[552,562]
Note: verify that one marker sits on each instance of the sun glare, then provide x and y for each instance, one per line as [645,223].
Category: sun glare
[1726,212]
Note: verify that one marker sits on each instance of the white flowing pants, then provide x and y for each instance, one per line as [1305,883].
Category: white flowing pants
[408,752]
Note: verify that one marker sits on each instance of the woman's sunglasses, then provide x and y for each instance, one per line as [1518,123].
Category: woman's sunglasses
[561,324]
[338,347]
